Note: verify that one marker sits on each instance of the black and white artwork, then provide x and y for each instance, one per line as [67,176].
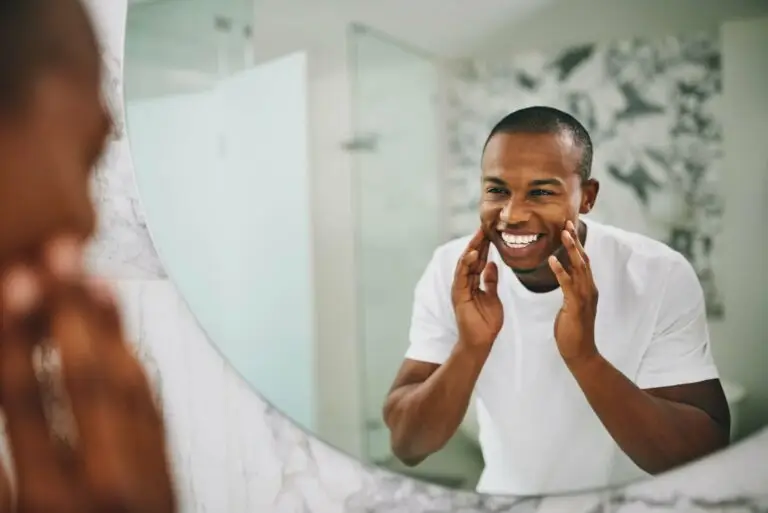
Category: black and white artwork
[652,109]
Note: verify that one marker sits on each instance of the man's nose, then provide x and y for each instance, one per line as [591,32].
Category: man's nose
[514,212]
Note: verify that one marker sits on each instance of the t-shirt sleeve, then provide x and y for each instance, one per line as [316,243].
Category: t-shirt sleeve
[679,352]
[433,331]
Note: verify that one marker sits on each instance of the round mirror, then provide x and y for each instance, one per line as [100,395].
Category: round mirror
[361,206]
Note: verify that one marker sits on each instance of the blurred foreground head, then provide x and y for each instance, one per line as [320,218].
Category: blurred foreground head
[53,122]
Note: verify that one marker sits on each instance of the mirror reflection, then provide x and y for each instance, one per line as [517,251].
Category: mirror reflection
[491,254]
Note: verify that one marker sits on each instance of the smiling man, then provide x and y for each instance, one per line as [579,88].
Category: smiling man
[84,435]
[566,386]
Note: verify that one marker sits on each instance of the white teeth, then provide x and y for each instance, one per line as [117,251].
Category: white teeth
[518,241]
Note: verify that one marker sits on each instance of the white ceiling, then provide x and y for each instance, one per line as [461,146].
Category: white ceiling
[181,34]
[436,26]
[443,27]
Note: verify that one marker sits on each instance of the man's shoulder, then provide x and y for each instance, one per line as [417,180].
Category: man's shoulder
[445,257]
[653,268]
[453,247]
[632,248]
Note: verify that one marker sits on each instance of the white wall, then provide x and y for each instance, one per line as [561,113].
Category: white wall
[170,53]
[565,23]
[338,375]
[223,179]
[742,339]
[397,198]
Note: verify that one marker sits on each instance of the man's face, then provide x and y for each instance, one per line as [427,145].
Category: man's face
[530,187]
[49,147]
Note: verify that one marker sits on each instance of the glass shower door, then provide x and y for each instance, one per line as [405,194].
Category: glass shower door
[396,193]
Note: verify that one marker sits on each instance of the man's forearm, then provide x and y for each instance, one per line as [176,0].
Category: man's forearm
[423,417]
[655,433]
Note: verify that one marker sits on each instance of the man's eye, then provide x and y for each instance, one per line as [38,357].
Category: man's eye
[495,190]
[541,192]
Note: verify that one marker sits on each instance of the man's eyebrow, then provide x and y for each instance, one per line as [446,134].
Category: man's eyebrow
[546,181]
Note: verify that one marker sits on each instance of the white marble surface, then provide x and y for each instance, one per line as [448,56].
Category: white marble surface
[234,453]
[122,247]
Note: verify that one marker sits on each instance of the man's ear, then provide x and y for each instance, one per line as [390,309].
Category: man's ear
[589,190]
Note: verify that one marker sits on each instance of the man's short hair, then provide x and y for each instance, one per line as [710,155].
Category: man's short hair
[548,120]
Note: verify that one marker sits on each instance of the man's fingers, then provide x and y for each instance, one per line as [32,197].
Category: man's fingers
[472,262]
[462,281]
[478,265]
[483,251]
[125,373]
[580,247]
[476,240]
[473,246]
[122,444]
[135,409]
[102,449]
[563,278]
[64,259]
[491,279]
[484,248]
[36,459]
[575,257]
[574,234]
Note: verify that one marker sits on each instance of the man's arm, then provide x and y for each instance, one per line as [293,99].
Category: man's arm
[677,412]
[453,327]
[428,401]
[659,429]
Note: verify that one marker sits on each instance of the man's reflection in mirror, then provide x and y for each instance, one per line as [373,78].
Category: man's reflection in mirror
[578,338]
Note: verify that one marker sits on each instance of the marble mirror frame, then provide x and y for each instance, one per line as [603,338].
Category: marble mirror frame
[232,451]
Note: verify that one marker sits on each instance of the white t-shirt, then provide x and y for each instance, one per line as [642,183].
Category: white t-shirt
[537,432]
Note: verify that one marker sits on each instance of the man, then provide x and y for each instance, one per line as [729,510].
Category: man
[53,127]
[512,314]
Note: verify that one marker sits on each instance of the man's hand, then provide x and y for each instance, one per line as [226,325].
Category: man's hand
[575,322]
[479,313]
[116,460]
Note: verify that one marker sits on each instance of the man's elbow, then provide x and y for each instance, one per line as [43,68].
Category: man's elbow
[717,440]
[404,449]
[409,461]
[401,436]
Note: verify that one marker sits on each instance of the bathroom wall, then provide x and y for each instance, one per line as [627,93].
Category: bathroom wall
[742,339]
[339,354]
[563,24]
[200,166]
[170,53]
[224,119]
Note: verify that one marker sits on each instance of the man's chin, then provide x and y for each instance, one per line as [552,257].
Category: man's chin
[524,270]
[529,266]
